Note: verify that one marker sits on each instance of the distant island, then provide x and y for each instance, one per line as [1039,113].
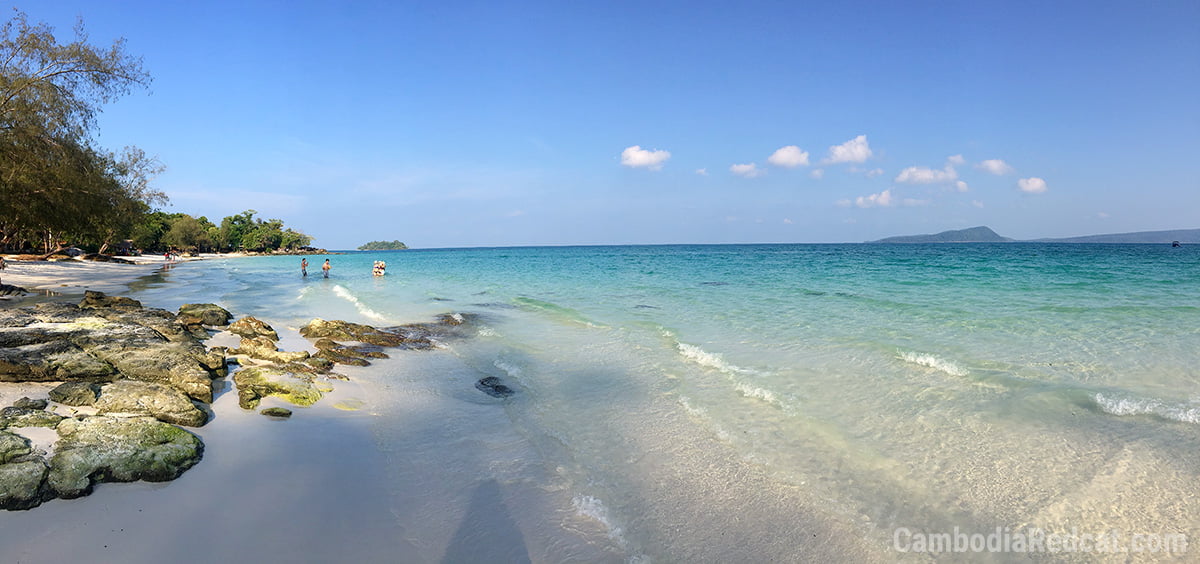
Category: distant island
[383,246]
[983,234]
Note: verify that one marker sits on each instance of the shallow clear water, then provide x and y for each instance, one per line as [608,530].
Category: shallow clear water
[767,402]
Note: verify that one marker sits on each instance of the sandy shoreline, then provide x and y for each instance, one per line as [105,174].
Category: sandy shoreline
[307,489]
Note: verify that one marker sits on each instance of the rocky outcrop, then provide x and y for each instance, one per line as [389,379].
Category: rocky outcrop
[75,394]
[165,403]
[211,315]
[298,388]
[249,327]
[101,340]
[10,290]
[263,348]
[118,449]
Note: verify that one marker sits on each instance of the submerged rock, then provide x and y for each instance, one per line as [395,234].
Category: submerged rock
[117,449]
[492,386]
[164,403]
[355,355]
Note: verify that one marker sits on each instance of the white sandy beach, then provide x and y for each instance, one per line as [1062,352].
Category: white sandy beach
[312,488]
[305,489]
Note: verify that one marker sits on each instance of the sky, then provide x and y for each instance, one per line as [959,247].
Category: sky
[461,124]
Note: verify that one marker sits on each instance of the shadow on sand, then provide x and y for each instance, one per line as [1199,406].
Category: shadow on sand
[488,532]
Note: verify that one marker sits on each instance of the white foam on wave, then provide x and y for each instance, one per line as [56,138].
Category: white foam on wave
[341,292]
[707,359]
[593,508]
[485,331]
[934,362]
[1121,406]
[756,392]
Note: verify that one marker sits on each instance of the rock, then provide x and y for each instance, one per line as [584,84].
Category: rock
[52,361]
[256,382]
[117,449]
[280,412]
[23,484]
[24,417]
[250,327]
[263,348]
[75,394]
[211,315]
[10,290]
[26,403]
[344,354]
[13,446]
[93,299]
[492,386]
[165,403]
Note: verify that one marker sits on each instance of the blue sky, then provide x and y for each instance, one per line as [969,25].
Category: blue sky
[447,124]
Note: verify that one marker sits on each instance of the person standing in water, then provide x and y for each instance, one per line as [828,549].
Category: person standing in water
[325,268]
[303,266]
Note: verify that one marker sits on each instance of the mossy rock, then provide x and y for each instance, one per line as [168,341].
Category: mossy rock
[251,327]
[23,484]
[22,417]
[13,446]
[256,382]
[119,449]
[212,315]
[277,412]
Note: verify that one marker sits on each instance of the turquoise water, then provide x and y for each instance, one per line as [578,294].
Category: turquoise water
[770,402]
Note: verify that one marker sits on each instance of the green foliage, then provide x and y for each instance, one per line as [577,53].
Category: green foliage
[383,246]
[55,186]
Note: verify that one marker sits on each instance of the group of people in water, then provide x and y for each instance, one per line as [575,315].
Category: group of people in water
[379,269]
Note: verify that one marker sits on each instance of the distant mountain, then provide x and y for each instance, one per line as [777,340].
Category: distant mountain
[973,235]
[1181,235]
[986,235]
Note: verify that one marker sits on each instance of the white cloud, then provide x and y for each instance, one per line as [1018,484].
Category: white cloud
[789,157]
[856,150]
[702,171]
[817,173]
[1032,185]
[874,172]
[882,199]
[956,160]
[962,186]
[638,157]
[996,167]
[787,221]
[922,175]
[747,170]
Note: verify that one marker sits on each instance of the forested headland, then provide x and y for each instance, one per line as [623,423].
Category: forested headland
[59,189]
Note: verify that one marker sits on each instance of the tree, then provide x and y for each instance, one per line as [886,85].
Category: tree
[53,183]
[187,233]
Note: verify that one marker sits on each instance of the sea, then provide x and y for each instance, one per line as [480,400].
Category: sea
[768,403]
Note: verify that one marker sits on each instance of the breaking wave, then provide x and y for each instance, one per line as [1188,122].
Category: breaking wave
[934,362]
[342,292]
[1121,406]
